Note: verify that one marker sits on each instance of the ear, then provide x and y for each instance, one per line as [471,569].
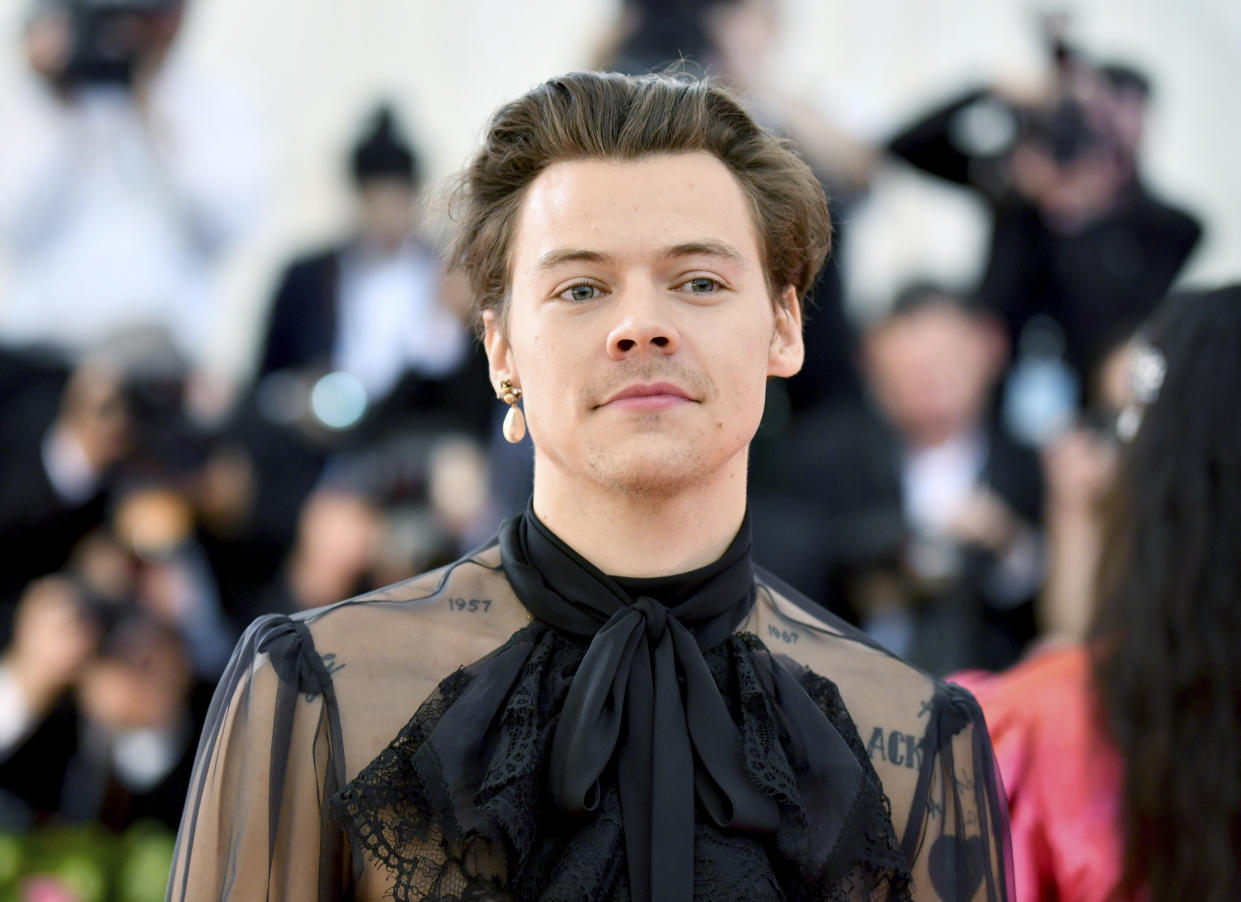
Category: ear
[500,361]
[788,351]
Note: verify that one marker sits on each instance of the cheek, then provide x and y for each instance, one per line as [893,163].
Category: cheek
[548,382]
[742,382]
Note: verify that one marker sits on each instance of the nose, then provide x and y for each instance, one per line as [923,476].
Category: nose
[643,325]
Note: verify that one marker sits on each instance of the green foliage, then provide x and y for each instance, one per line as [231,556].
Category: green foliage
[86,864]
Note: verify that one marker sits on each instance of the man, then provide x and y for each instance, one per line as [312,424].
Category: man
[639,249]
[361,349]
[67,433]
[949,581]
[126,176]
[371,305]
[1076,234]
[923,525]
[969,557]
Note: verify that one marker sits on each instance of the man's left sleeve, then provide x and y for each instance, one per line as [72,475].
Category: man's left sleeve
[957,837]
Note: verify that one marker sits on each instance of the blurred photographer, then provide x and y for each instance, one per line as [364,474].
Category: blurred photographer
[54,638]
[79,43]
[67,434]
[124,175]
[1080,249]
[78,444]
[97,691]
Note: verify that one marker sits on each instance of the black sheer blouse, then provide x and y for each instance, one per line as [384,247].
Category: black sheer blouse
[520,726]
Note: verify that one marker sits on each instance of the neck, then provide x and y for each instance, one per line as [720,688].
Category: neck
[929,439]
[643,535]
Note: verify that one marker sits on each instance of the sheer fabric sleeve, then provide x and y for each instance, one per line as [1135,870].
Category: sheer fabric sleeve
[255,826]
[956,835]
[927,743]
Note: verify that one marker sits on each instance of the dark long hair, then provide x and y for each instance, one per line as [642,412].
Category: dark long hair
[1167,635]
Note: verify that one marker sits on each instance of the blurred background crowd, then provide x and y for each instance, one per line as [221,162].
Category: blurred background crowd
[235,377]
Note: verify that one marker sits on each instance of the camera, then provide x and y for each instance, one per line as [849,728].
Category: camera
[1065,131]
[108,39]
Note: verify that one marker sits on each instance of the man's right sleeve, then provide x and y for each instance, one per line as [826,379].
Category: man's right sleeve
[256,824]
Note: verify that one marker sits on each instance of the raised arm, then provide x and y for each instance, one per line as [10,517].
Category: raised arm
[933,144]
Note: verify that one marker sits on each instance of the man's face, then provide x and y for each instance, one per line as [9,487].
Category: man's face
[387,213]
[640,327]
[931,371]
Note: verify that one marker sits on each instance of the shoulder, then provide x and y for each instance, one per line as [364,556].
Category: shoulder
[1050,682]
[900,712]
[1044,721]
[375,658]
[445,614]
[315,264]
[1163,218]
[925,738]
[793,625]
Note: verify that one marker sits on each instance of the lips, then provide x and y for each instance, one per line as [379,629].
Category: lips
[648,396]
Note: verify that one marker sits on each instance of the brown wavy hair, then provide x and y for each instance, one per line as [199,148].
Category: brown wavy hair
[1167,635]
[592,115]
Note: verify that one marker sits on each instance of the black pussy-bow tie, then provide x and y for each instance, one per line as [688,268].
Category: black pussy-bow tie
[644,697]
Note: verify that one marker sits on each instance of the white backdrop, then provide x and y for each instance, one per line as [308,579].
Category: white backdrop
[313,67]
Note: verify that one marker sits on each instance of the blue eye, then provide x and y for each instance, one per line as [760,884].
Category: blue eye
[580,292]
[702,285]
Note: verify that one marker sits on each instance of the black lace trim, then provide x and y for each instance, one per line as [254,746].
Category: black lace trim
[403,813]
[400,809]
[867,861]
[872,856]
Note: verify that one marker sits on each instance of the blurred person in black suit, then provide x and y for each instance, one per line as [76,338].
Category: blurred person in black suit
[922,523]
[53,639]
[363,344]
[373,305]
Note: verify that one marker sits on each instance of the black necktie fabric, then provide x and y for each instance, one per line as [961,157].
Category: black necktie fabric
[620,748]
[644,697]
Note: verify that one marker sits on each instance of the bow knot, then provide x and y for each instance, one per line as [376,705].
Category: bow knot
[654,614]
[292,654]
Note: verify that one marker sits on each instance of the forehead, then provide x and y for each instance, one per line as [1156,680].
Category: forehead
[937,315]
[628,209]
[935,328]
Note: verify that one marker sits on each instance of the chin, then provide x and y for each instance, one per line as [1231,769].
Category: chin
[659,471]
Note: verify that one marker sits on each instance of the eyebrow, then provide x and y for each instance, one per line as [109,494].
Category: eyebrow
[560,256]
[704,249]
[555,258]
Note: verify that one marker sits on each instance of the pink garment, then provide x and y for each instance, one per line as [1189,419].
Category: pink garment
[1061,773]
